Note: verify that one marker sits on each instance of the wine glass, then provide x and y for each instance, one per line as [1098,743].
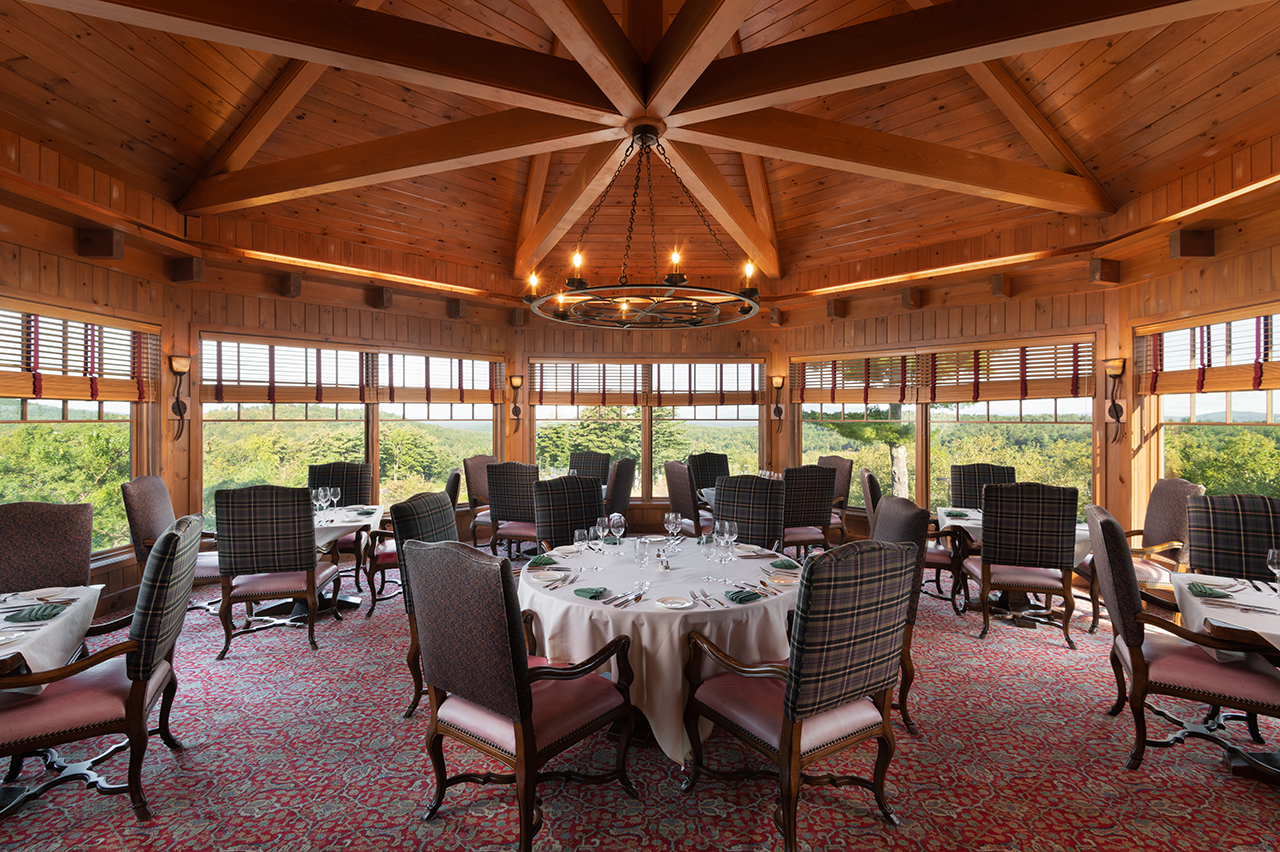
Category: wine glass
[335,494]
[731,536]
[640,551]
[316,502]
[580,540]
[617,525]
[720,533]
[602,527]
[1273,563]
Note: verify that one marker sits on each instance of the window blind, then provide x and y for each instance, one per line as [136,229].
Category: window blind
[683,383]
[427,378]
[44,357]
[1233,355]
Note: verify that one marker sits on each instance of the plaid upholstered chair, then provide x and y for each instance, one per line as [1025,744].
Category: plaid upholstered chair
[707,468]
[267,551]
[485,693]
[684,500]
[755,504]
[476,471]
[1171,660]
[899,520]
[563,505]
[1229,535]
[423,517]
[1028,546]
[1164,540]
[511,503]
[590,463]
[968,480]
[870,498]
[617,494]
[846,649]
[150,512]
[840,499]
[355,484]
[808,491]
[114,690]
[44,544]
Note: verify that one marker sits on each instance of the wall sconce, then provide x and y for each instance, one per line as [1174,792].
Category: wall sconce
[517,382]
[180,365]
[1114,368]
[777,382]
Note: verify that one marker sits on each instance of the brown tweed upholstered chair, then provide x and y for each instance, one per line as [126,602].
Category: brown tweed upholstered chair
[476,471]
[590,463]
[684,500]
[44,544]
[267,551]
[833,693]
[899,520]
[452,486]
[755,504]
[423,517]
[1171,660]
[148,508]
[840,500]
[808,492]
[1164,540]
[114,690]
[870,498]
[511,503]
[617,494]
[484,692]
[563,505]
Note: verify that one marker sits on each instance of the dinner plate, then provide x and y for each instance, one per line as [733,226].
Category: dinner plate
[675,603]
[779,580]
[41,594]
[6,638]
[751,551]
[544,576]
[567,549]
[1216,582]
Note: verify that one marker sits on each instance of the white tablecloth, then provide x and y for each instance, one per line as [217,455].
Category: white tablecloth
[570,628]
[1195,611]
[53,644]
[333,524]
[972,524]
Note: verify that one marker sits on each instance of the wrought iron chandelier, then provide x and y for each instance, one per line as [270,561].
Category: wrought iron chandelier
[671,302]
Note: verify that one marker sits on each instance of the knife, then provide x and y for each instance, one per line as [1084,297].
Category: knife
[616,598]
[626,604]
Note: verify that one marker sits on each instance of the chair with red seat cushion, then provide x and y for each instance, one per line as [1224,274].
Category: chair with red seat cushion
[483,691]
[114,690]
[834,693]
[1172,662]
[150,512]
[267,551]
[476,471]
[808,492]
[1028,546]
[565,504]
[900,520]
[511,503]
[44,544]
[755,504]
[870,498]
[684,500]
[840,495]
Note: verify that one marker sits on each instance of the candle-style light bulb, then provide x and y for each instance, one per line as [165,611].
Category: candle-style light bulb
[675,259]
[533,280]
[561,298]
[577,260]
[749,269]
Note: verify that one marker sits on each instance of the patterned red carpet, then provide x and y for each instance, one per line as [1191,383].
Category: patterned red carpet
[289,749]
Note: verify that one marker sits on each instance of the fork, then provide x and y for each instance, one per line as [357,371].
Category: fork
[708,597]
[693,593]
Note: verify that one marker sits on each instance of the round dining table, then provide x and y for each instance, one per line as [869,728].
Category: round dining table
[570,628]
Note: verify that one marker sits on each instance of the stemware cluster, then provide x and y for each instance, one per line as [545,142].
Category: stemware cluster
[323,497]
[723,535]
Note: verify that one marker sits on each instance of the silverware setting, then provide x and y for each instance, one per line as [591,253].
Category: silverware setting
[693,593]
[564,581]
[1218,603]
[717,600]
[628,601]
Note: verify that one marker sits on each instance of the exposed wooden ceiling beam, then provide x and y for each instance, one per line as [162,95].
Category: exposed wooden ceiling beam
[469,142]
[757,179]
[843,147]
[709,186]
[590,32]
[374,43]
[269,113]
[700,30]
[584,186]
[950,35]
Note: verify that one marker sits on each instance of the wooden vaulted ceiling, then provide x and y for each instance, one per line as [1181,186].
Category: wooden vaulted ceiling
[480,132]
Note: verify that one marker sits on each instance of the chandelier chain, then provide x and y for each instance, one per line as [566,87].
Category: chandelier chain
[626,155]
[631,223]
[653,212]
[696,207]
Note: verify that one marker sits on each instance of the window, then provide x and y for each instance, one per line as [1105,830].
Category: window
[1215,385]
[653,413]
[881,438]
[67,390]
[419,444]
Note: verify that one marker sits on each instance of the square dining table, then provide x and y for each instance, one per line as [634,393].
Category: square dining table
[570,628]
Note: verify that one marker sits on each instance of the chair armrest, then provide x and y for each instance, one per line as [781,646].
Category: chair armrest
[1203,639]
[700,645]
[109,626]
[619,647]
[1132,533]
[527,617]
[1155,548]
[40,678]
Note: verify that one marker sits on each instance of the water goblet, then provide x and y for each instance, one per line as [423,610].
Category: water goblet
[595,541]
[602,525]
[731,536]
[617,525]
[1273,563]
[335,494]
[316,502]
[640,551]
[580,540]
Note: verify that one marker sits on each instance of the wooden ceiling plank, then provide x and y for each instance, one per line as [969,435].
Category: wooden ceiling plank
[701,29]
[469,142]
[279,100]
[586,183]
[950,35]
[590,32]
[843,147]
[374,43]
[710,188]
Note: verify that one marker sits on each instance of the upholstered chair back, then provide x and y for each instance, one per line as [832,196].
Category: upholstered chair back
[511,491]
[1113,565]
[807,494]
[755,504]
[45,544]
[851,615]
[264,529]
[680,490]
[899,520]
[476,470]
[149,511]
[844,476]
[617,495]
[563,505]
[870,497]
[354,479]
[164,596]
[1029,525]
[1230,534]
[423,517]
[452,486]
[590,463]
[968,480]
[706,468]
[469,628]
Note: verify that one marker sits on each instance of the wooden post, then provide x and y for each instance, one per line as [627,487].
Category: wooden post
[911,298]
[380,298]
[836,309]
[187,270]
[1001,285]
[456,309]
[100,243]
[1190,244]
[291,285]
[1104,271]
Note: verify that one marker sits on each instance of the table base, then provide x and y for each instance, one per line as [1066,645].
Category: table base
[289,609]
[1260,766]
[1243,768]
[12,798]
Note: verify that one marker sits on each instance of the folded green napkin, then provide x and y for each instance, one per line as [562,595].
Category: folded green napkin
[741,596]
[591,593]
[1200,590]
[611,539]
[365,511]
[42,612]
[785,564]
[954,514]
[540,560]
